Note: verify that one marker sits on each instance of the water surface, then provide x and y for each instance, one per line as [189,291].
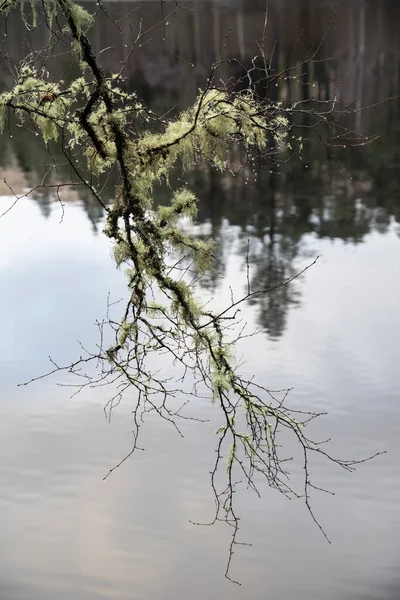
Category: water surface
[66,533]
[333,335]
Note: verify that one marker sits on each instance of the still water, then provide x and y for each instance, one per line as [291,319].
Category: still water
[65,533]
[333,335]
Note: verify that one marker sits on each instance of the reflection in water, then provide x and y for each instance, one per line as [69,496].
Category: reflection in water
[361,47]
[344,201]
[276,213]
[64,533]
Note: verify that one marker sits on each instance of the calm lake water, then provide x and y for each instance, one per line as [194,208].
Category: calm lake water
[333,335]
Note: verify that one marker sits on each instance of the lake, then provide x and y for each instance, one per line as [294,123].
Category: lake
[333,335]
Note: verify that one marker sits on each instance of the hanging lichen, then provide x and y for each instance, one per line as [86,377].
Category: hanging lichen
[95,118]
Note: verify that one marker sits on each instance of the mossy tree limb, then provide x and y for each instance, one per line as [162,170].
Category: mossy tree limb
[164,316]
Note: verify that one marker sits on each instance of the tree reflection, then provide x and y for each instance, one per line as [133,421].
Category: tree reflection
[274,211]
[282,205]
[272,256]
[276,214]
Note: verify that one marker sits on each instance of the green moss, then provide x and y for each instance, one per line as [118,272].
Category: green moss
[48,129]
[94,115]
[82,19]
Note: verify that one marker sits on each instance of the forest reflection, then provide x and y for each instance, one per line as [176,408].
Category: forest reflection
[274,207]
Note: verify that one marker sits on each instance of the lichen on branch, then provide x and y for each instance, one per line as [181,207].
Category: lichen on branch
[164,316]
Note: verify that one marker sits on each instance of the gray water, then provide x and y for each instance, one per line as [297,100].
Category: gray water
[333,335]
[65,533]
